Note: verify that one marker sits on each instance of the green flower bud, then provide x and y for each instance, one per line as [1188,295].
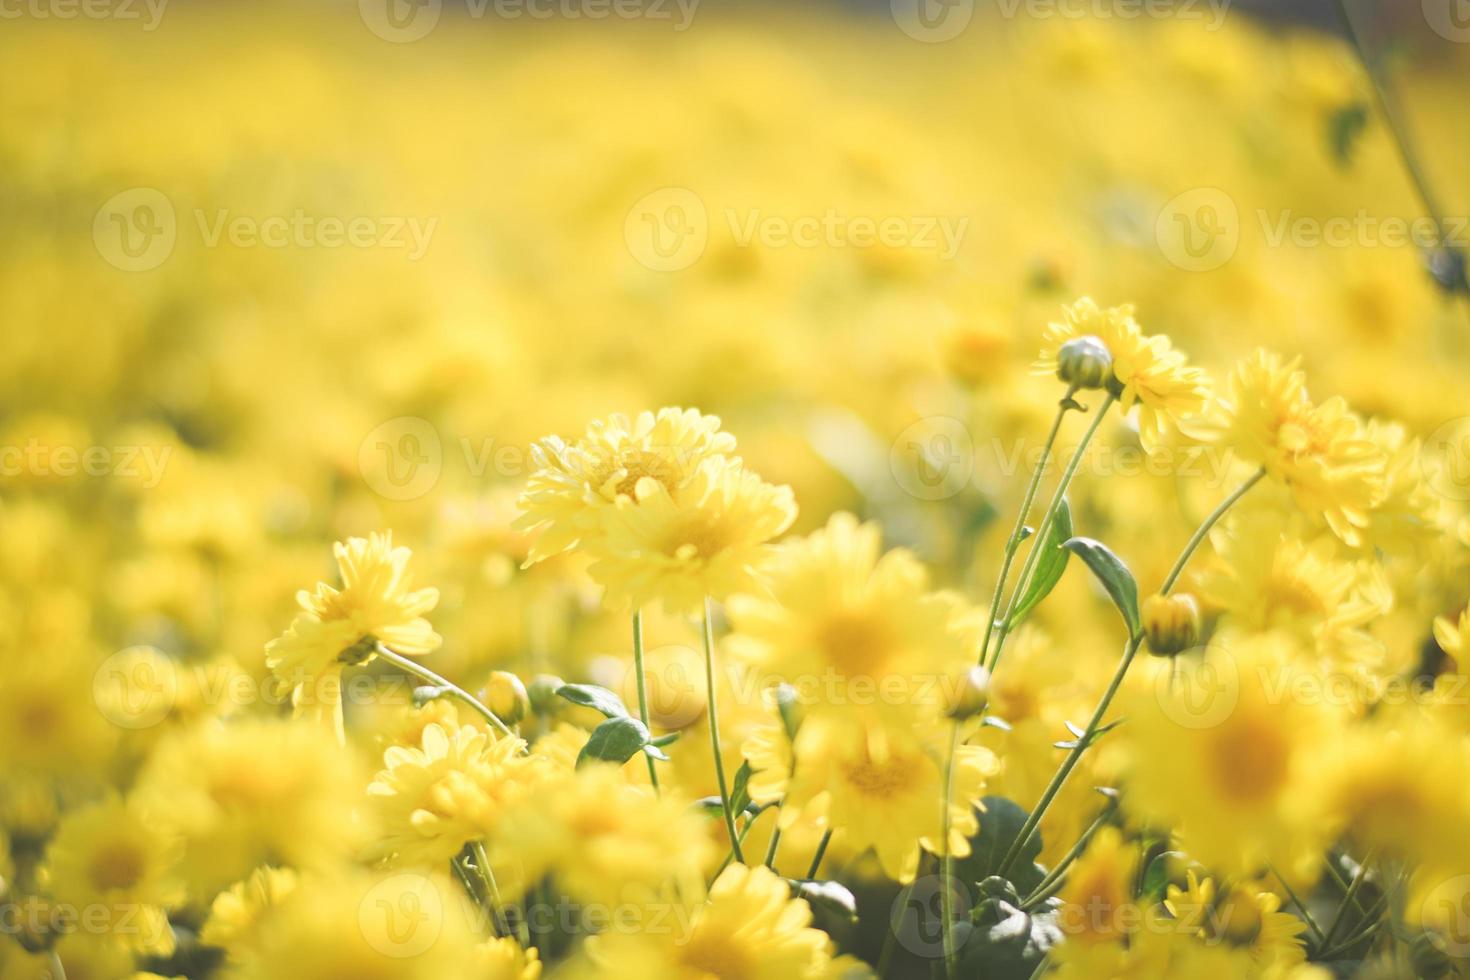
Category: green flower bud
[541,692]
[968,694]
[1085,362]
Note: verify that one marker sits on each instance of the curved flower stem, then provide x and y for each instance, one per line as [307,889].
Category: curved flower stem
[643,691]
[453,690]
[482,862]
[946,875]
[714,731]
[1039,538]
[58,972]
[1130,651]
[811,873]
[770,861]
[1013,543]
[1300,905]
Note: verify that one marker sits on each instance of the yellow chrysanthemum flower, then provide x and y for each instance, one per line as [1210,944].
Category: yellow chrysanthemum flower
[1147,371]
[854,630]
[1321,453]
[749,927]
[376,604]
[110,857]
[1242,916]
[430,801]
[574,486]
[238,911]
[1097,901]
[709,538]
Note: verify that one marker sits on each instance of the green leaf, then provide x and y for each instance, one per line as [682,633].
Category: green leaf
[599,699]
[1050,564]
[1156,877]
[1000,821]
[1008,944]
[740,790]
[827,895]
[1343,129]
[615,740]
[1113,574]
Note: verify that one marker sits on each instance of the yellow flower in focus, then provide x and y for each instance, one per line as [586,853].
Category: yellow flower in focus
[376,604]
[1321,453]
[430,801]
[1241,916]
[884,789]
[707,539]
[574,486]
[854,630]
[1147,371]
[237,912]
[110,856]
[749,927]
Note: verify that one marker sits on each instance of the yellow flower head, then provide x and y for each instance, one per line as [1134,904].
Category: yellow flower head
[239,910]
[1147,371]
[575,484]
[1097,902]
[708,538]
[1241,915]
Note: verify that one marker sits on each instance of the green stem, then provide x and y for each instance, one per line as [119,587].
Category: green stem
[1300,905]
[885,957]
[946,876]
[643,691]
[811,873]
[1349,898]
[714,731]
[770,861]
[453,690]
[1039,538]
[1045,887]
[1130,651]
[1013,543]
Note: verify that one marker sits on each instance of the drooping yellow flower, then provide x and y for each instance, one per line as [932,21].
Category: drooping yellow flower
[709,538]
[238,911]
[430,801]
[376,604]
[855,631]
[884,788]
[749,927]
[1147,371]
[110,856]
[573,487]
[1321,453]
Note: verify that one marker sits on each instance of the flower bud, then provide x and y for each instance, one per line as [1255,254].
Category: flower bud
[968,694]
[1170,623]
[1085,362]
[788,703]
[505,695]
[542,694]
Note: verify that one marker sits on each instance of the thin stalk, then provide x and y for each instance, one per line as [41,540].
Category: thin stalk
[58,971]
[1013,543]
[643,691]
[1349,898]
[1039,538]
[811,873]
[744,833]
[1130,651]
[714,731]
[454,690]
[1043,889]
[1301,906]
[482,862]
[885,956]
[770,860]
[946,875]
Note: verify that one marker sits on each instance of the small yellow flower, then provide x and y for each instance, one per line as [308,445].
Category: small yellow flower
[238,911]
